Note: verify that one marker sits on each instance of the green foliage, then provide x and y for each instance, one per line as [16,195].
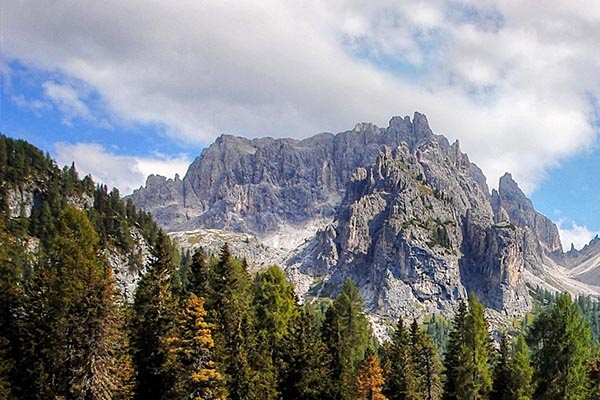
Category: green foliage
[347,334]
[400,368]
[474,369]
[69,328]
[521,372]
[427,365]
[560,340]
[306,374]
[154,316]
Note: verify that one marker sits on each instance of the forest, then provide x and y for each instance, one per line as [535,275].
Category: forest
[200,326]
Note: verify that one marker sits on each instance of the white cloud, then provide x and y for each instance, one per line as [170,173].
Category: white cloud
[68,100]
[512,80]
[124,172]
[579,236]
[34,105]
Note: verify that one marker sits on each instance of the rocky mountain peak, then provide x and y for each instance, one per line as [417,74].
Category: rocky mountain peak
[399,210]
[510,201]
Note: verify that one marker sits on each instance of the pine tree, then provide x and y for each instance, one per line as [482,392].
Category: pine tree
[305,374]
[401,383]
[454,350]
[153,319]
[521,372]
[428,368]
[369,380]
[502,372]
[560,341]
[191,355]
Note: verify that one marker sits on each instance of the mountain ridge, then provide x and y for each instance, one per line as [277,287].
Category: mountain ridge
[369,197]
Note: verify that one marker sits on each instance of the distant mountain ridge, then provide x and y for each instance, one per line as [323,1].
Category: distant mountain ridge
[399,210]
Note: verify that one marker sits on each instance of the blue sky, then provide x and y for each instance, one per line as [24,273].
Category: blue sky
[126,89]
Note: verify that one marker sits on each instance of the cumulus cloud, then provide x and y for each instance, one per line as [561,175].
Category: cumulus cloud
[124,172]
[515,82]
[574,234]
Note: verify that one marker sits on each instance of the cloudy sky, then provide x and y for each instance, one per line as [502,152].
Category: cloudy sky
[129,88]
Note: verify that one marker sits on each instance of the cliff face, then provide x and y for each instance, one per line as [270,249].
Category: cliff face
[416,230]
[256,185]
[399,210]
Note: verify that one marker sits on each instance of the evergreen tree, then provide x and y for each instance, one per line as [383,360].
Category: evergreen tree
[401,381]
[191,355]
[69,326]
[428,368]
[521,372]
[474,369]
[501,389]
[230,311]
[454,350]
[347,334]
[274,307]
[369,380]
[305,373]
[153,319]
[560,342]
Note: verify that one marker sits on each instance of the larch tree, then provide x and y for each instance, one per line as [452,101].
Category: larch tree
[474,369]
[369,379]
[191,355]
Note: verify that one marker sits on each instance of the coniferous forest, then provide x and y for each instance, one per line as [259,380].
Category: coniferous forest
[200,326]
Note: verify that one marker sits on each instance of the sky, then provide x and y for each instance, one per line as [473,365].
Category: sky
[129,88]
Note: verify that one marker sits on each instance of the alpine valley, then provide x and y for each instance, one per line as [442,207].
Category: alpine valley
[399,210]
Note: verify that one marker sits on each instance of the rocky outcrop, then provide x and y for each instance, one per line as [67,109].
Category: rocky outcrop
[416,231]
[399,210]
[257,185]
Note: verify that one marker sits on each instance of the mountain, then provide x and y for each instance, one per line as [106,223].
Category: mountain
[399,210]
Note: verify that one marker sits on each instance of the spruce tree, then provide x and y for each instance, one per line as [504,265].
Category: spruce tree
[560,341]
[153,319]
[369,380]
[230,312]
[454,350]
[305,374]
[401,381]
[521,372]
[428,368]
[70,327]
[348,336]
[502,372]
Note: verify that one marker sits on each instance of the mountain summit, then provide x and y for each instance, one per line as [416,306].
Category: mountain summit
[399,210]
